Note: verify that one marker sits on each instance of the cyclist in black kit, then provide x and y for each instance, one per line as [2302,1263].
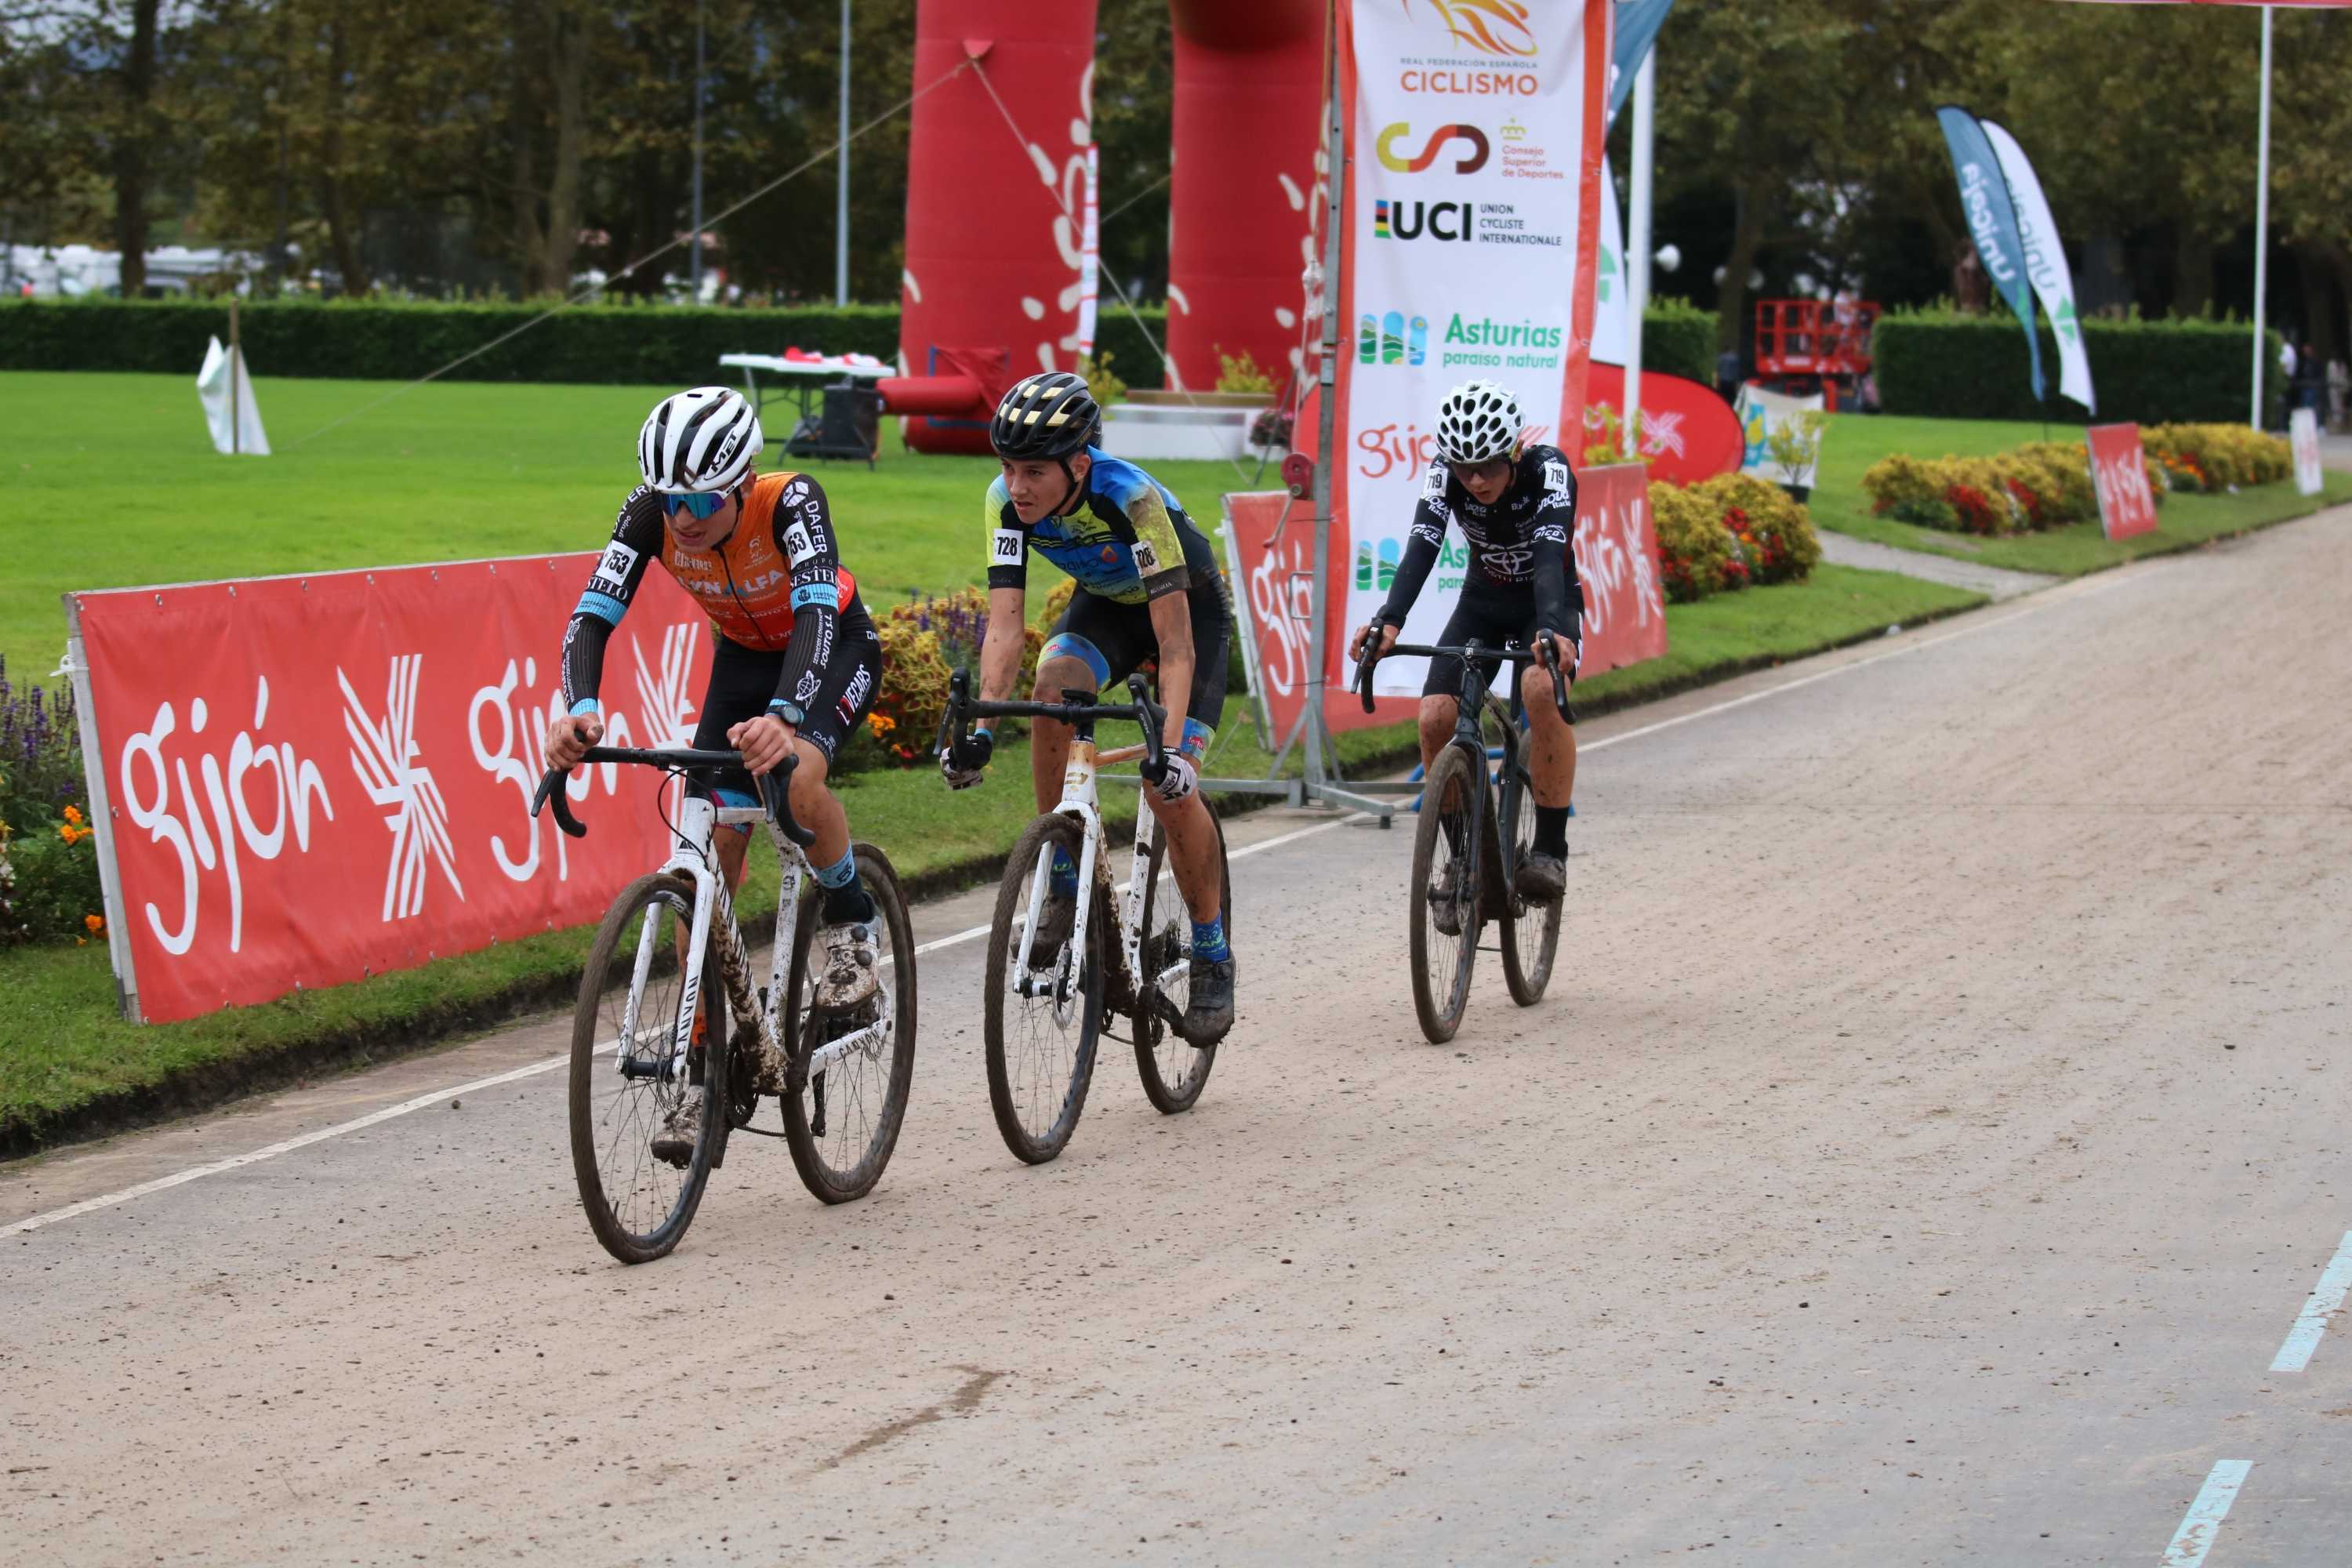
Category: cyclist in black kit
[1517,509]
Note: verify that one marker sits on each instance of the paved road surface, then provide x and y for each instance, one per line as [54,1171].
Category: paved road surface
[1936,1128]
[1997,583]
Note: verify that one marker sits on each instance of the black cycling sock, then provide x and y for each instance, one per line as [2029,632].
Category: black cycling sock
[1551,830]
[848,903]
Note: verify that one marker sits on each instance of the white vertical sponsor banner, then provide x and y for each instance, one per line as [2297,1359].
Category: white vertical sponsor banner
[1610,288]
[1474,209]
[2303,431]
[2045,263]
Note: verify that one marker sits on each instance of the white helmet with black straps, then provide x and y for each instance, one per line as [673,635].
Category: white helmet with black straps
[1478,422]
[700,439]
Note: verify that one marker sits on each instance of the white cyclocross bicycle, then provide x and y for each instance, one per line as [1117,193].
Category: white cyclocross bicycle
[841,1079]
[1127,956]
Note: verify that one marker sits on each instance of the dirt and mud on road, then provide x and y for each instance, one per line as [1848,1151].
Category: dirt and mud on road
[1936,1125]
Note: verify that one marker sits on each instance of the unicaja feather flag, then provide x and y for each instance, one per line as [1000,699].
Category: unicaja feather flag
[1993,222]
[2045,264]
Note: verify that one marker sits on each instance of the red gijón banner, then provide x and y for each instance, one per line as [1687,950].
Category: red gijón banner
[305,780]
[1616,548]
[2119,469]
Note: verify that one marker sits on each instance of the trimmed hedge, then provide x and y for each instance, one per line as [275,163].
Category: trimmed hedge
[1678,338]
[635,345]
[1947,365]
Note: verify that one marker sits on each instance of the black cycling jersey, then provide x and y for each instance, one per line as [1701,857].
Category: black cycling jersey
[1520,544]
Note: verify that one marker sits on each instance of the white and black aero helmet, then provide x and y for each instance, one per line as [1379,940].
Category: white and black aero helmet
[1050,415]
[702,440]
[1478,422]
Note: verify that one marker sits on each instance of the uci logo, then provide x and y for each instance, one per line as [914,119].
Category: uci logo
[1402,163]
[1411,220]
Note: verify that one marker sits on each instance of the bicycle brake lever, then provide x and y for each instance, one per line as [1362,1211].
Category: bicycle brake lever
[551,788]
[775,793]
[1154,765]
[953,721]
[1364,670]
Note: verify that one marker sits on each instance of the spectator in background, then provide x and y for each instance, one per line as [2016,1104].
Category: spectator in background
[2339,387]
[1727,374]
[2287,358]
[2314,378]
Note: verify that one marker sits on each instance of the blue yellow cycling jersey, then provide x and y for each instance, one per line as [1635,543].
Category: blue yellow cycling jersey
[1126,537]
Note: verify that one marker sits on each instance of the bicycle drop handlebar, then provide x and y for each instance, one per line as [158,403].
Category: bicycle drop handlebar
[775,785]
[955,724]
[1469,653]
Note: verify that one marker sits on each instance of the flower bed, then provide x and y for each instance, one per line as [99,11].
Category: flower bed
[923,643]
[2216,458]
[1728,532]
[49,865]
[2042,484]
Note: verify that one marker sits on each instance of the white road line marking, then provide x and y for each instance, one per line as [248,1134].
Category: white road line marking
[2327,1299]
[2034,607]
[426,1101]
[2040,602]
[288,1147]
[2195,1536]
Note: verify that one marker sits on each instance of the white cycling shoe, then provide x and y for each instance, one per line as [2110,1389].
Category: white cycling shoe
[853,961]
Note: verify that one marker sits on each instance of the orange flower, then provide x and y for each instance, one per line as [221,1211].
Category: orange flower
[73,814]
[95,923]
[66,832]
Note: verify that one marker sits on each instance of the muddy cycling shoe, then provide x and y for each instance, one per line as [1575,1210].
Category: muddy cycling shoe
[1054,923]
[680,1131]
[853,959]
[1209,1010]
[1542,878]
[1446,899]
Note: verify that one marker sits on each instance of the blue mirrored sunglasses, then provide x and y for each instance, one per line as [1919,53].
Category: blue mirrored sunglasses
[699,505]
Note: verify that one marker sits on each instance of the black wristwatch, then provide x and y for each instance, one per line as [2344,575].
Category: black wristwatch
[788,711]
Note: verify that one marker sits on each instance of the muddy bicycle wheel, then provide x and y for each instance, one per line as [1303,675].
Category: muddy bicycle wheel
[1445,892]
[1041,1027]
[1531,932]
[628,1077]
[1173,1069]
[845,1121]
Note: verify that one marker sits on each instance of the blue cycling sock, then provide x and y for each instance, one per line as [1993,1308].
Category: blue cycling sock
[1209,941]
[1064,874]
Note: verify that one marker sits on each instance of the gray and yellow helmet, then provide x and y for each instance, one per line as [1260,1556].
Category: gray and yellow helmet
[1046,417]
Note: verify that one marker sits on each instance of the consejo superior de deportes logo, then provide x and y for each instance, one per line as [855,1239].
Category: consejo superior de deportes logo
[1470,162]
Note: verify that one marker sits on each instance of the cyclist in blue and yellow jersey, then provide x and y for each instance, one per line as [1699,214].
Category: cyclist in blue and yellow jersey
[794,664]
[1147,584]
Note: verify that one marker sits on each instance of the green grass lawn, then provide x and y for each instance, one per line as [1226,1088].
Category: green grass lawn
[1855,441]
[65,1049]
[452,471]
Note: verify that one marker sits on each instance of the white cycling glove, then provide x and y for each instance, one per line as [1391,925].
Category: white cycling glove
[1178,778]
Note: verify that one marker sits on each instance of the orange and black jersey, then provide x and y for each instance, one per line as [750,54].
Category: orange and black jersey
[775,584]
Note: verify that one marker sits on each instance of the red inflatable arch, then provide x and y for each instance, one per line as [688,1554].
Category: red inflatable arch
[993,286]
[1248,156]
